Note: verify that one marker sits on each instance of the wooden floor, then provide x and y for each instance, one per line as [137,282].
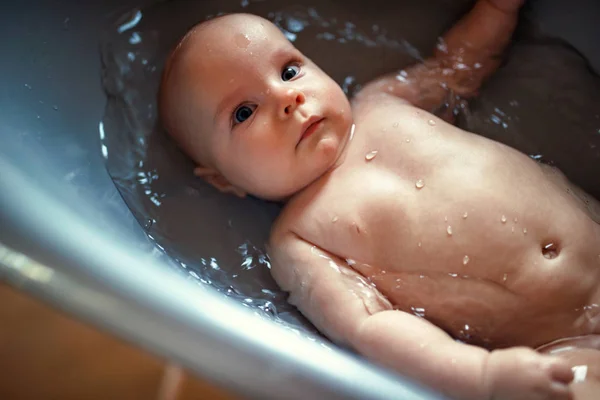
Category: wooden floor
[47,355]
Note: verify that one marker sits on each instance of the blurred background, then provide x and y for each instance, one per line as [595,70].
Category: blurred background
[47,355]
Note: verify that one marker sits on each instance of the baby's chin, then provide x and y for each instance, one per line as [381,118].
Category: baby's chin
[328,148]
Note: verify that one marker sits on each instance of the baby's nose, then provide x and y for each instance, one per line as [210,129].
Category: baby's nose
[291,99]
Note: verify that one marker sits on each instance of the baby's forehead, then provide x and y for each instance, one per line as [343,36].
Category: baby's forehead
[231,44]
[238,30]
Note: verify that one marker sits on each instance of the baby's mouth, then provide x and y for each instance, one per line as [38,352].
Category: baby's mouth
[310,127]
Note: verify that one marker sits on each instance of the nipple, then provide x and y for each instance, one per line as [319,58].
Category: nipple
[241,40]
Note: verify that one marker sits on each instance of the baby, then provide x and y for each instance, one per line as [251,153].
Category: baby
[401,233]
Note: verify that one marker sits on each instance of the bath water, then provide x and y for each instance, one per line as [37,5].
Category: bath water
[547,110]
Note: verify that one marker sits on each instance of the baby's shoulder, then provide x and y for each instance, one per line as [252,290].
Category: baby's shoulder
[380,108]
[376,103]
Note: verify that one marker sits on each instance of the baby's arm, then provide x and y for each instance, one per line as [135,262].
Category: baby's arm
[469,53]
[348,309]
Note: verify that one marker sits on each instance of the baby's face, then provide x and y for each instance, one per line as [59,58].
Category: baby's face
[271,120]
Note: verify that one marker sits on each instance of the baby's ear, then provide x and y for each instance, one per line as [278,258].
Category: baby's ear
[218,181]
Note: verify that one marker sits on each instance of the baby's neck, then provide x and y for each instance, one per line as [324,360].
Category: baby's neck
[339,160]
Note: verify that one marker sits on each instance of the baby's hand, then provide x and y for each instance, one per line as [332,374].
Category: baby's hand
[521,373]
[508,6]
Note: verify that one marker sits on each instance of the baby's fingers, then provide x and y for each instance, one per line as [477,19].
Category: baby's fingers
[559,370]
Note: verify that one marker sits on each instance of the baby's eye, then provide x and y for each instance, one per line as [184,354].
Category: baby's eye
[242,113]
[289,72]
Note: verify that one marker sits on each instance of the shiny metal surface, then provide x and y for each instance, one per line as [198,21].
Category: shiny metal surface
[67,237]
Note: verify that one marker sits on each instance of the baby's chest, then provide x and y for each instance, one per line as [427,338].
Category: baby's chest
[362,214]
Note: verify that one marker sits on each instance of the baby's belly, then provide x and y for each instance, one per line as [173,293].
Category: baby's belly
[491,262]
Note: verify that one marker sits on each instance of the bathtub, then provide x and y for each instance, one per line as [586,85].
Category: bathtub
[68,237]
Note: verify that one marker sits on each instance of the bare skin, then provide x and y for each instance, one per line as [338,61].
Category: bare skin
[401,232]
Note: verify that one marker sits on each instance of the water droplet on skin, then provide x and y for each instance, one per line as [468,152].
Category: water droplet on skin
[407,140]
[419,244]
[512,229]
[465,215]
[418,311]
[242,41]
[431,122]
[465,260]
[334,219]
[28,86]
[505,277]
[395,125]
[445,219]
[371,155]
[503,219]
[449,230]
[55,108]
[524,231]
[420,184]
[350,262]
[516,219]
